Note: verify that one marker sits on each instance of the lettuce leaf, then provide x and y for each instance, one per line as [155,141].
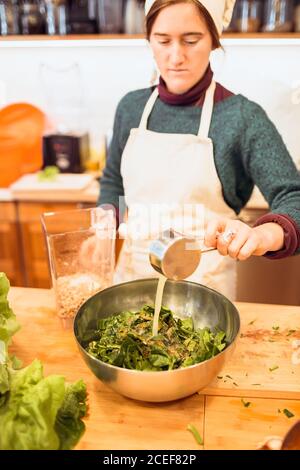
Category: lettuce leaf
[8,327]
[36,412]
[69,426]
[42,413]
[29,414]
[8,322]
[48,174]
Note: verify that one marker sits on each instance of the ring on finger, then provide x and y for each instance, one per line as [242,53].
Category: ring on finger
[228,235]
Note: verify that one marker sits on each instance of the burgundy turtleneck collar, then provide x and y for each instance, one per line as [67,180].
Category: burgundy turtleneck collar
[194,96]
[191,96]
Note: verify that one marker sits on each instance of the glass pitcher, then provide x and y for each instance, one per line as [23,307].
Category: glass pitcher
[248,15]
[81,253]
[278,16]
[110,16]
[9,17]
[297,16]
[64,96]
[31,17]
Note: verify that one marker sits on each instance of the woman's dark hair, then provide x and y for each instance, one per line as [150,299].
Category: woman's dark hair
[159,5]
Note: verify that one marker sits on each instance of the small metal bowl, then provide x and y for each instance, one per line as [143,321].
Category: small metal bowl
[207,307]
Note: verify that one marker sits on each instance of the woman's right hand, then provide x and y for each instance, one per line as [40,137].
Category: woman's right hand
[240,241]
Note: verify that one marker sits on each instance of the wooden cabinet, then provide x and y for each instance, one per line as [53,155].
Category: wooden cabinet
[23,253]
[10,250]
[262,280]
[23,250]
[265,281]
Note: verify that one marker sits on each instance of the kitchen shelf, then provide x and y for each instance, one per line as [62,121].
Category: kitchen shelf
[138,40]
[82,37]
[71,37]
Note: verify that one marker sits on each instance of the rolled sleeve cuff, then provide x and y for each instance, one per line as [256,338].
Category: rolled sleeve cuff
[291,234]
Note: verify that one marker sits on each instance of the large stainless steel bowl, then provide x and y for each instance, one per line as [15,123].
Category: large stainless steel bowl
[207,307]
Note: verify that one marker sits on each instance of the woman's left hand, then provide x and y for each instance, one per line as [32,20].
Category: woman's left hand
[239,241]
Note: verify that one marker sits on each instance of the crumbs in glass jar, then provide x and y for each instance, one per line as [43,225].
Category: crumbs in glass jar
[71,291]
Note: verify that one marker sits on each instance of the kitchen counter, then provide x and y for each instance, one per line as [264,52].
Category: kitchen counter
[260,372]
[5,195]
[91,193]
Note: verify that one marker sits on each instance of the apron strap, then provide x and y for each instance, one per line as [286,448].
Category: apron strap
[206,114]
[148,109]
[207,111]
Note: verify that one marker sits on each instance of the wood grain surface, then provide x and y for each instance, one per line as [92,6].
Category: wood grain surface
[115,422]
[261,364]
[230,425]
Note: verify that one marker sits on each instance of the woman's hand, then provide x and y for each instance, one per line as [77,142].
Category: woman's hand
[239,241]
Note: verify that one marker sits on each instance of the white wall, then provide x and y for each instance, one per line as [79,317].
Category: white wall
[265,70]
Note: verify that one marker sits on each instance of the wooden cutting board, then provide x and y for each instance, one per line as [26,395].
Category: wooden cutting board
[231,425]
[115,422]
[261,363]
[30,185]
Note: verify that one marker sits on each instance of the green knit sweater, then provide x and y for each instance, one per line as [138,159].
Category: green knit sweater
[248,150]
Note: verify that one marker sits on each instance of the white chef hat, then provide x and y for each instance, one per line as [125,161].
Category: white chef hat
[220,11]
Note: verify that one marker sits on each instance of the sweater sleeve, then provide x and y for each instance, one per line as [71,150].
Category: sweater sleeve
[111,182]
[291,235]
[272,169]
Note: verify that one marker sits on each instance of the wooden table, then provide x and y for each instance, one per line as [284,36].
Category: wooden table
[260,372]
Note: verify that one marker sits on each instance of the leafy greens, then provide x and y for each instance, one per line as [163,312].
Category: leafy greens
[48,174]
[36,412]
[125,340]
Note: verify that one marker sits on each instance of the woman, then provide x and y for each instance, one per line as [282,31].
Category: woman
[190,141]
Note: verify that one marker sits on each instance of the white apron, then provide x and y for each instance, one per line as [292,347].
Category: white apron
[160,170]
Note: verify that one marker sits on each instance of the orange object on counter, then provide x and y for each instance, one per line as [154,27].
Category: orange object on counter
[21,131]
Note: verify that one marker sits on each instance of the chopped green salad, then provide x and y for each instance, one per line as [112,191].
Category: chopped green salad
[125,340]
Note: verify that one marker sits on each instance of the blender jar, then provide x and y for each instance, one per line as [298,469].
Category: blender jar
[81,253]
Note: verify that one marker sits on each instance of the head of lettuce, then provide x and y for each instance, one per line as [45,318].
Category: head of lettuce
[36,412]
